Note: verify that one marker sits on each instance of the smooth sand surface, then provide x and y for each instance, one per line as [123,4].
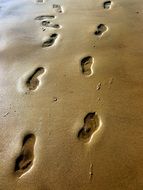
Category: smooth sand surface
[71,95]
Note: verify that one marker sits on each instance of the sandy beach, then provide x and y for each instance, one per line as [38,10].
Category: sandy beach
[71,90]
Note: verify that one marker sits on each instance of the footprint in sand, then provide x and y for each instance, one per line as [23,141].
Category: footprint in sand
[86,65]
[91,124]
[25,159]
[101,29]
[50,41]
[107,5]
[32,82]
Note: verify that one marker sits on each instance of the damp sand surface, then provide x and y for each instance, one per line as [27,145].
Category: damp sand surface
[71,95]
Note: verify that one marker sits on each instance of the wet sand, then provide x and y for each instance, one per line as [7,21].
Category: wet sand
[71,77]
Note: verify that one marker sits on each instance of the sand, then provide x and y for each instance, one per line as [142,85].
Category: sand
[71,89]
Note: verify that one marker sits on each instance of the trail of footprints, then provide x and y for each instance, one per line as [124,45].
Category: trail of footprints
[46,22]
[24,161]
[87,62]
[33,81]
[91,121]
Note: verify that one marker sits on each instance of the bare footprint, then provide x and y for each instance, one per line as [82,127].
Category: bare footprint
[101,28]
[86,65]
[42,17]
[33,82]
[50,41]
[107,4]
[91,124]
[58,8]
[49,24]
[25,160]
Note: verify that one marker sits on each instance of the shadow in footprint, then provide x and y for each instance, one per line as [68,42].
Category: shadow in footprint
[107,4]
[50,41]
[86,65]
[91,124]
[42,17]
[101,28]
[58,8]
[25,160]
[33,82]
[49,24]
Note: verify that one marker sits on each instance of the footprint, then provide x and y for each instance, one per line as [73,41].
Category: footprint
[91,124]
[32,82]
[58,8]
[42,17]
[101,28]
[107,4]
[50,41]
[25,160]
[49,24]
[86,65]
[55,26]
[45,23]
